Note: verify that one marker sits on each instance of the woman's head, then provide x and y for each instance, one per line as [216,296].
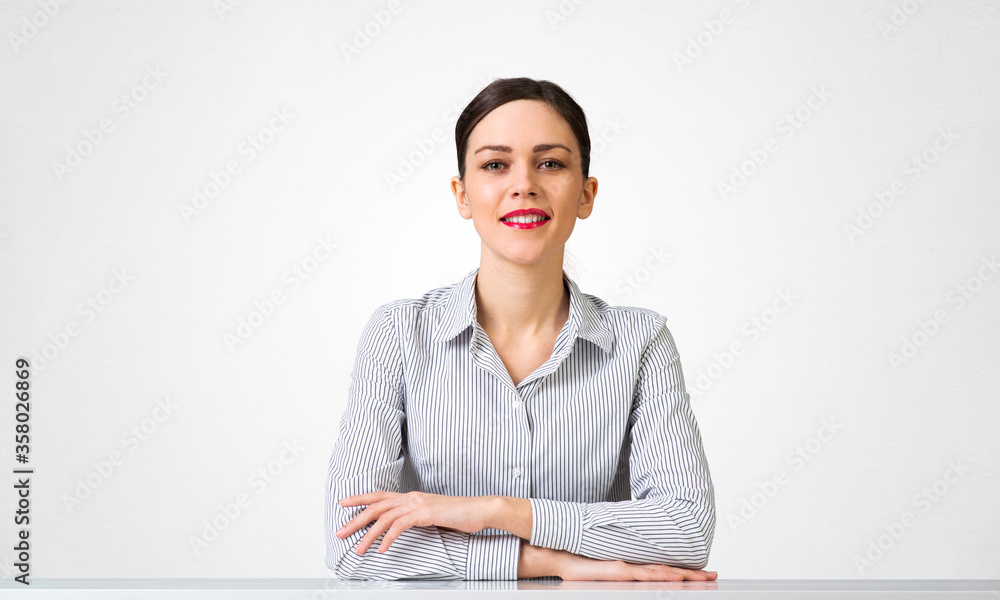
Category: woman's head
[527,150]
[502,91]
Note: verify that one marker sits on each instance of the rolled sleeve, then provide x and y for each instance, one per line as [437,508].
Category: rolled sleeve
[493,556]
[671,518]
[556,524]
[368,457]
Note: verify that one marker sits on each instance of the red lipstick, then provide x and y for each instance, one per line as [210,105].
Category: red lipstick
[529,212]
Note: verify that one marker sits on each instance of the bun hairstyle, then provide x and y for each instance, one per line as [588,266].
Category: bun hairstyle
[502,91]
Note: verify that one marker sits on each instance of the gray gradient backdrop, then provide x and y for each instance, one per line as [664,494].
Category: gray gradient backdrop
[202,203]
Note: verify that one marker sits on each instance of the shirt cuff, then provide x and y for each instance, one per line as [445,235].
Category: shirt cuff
[493,556]
[556,524]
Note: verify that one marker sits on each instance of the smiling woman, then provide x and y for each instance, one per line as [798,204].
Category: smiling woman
[509,425]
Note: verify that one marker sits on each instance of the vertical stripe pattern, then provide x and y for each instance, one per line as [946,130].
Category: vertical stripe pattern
[600,438]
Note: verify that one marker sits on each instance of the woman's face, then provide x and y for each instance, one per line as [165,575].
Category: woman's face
[523,155]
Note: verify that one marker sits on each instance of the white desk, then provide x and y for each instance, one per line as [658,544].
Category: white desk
[535,589]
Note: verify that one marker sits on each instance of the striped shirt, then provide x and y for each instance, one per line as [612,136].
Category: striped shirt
[600,438]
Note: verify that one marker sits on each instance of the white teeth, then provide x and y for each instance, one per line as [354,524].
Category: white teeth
[525,219]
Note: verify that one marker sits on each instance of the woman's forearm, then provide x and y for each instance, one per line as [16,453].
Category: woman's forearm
[512,515]
[535,561]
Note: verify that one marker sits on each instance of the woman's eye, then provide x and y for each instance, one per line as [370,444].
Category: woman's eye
[551,164]
[493,165]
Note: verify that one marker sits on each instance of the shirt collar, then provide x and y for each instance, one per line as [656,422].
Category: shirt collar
[585,318]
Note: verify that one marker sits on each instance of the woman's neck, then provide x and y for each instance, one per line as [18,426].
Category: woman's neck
[517,302]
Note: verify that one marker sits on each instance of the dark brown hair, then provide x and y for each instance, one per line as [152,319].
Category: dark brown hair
[502,91]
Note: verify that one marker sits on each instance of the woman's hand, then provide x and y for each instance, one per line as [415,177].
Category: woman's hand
[394,513]
[573,567]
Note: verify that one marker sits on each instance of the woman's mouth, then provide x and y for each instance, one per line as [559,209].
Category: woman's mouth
[525,222]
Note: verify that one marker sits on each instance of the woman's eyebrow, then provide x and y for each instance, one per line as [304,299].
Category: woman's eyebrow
[538,148]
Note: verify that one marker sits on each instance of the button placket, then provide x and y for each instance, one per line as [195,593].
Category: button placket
[521,446]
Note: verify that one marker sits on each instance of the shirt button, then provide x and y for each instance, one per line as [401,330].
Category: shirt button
[517,472]
[516,404]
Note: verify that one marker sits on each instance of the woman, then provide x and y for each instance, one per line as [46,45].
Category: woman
[500,427]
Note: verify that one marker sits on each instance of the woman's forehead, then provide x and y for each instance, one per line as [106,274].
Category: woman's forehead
[522,122]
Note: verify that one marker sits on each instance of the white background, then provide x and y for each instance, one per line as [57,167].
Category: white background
[691,91]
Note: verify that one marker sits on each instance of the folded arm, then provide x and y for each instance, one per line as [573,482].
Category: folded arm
[671,519]
[368,457]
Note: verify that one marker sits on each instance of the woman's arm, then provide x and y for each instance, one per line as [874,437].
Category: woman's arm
[669,524]
[671,519]
[536,561]
[367,457]
[513,515]
[396,513]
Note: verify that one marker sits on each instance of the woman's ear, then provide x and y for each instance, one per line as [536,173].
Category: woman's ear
[461,199]
[587,198]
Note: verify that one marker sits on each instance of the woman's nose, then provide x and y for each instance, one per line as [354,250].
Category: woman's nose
[524,183]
